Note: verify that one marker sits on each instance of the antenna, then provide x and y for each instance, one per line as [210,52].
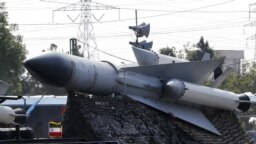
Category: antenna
[141,30]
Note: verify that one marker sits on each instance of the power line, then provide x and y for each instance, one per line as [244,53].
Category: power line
[210,27]
[188,10]
[54,2]
[156,10]
[35,25]
[179,11]
[111,54]
[56,24]
[143,17]
[72,24]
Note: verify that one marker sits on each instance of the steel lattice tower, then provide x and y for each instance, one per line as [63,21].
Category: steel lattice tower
[86,33]
[252,10]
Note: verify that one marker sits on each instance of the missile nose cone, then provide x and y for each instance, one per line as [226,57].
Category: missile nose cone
[50,68]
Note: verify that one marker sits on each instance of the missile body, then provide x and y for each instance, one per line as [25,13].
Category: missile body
[137,84]
[6,115]
[79,74]
[91,76]
[104,78]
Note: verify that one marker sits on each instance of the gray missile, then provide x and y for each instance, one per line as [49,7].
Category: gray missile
[171,88]
[15,116]
[9,115]
[207,96]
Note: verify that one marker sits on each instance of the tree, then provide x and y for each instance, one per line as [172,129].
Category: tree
[244,82]
[12,54]
[202,47]
[168,51]
[30,86]
[240,83]
[191,52]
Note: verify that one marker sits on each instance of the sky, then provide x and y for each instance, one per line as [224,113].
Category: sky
[224,23]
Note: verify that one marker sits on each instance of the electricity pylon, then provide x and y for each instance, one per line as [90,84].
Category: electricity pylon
[252,10]
[85,33]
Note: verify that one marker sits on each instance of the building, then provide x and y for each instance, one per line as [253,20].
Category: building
[233,58]
[50,108]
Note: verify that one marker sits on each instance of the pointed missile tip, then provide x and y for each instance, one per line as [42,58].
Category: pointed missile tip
[50,68]
[25,63]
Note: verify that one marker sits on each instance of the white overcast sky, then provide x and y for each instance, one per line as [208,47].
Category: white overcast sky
[173,23]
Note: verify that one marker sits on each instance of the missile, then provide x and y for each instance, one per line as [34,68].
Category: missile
[15,116]
[207,96]
[172,88]
[9,115]
[79,74]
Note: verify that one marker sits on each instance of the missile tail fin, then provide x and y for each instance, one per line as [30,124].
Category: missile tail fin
[217,82]
[206,56]
[145,57]
[188,114]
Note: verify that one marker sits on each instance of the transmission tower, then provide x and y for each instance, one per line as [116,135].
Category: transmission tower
[252,11]
[85,34]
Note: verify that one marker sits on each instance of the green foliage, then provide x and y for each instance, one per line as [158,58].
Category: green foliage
[30,86]
[12,53]
[192,52]
[34,87]
[202,47]
[245,82]
[173,52]
[168,51]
